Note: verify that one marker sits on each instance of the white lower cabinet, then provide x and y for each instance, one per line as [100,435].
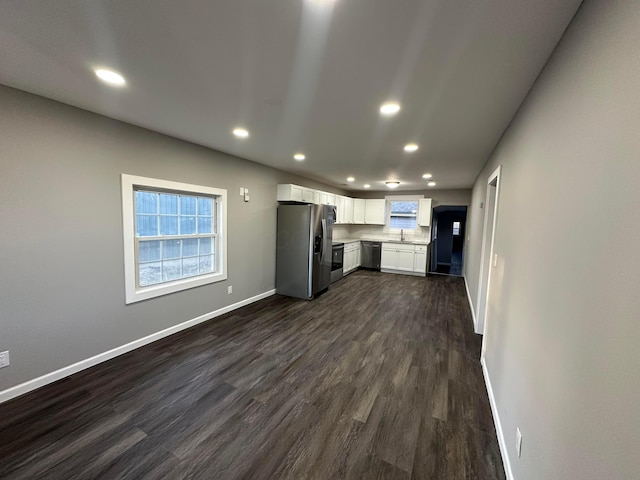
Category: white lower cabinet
[420,259]
[402,258]
[351,257]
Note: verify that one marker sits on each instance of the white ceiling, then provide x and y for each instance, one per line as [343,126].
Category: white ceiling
[300,75]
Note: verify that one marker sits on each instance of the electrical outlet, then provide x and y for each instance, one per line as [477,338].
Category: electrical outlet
[242,191]
[495,259]
[4,359]
[229,290]
[518,441]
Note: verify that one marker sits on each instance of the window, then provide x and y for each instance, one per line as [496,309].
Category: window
[456,228]
[403,214]
[174,236]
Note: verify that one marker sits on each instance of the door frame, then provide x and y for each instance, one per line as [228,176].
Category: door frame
[488,241]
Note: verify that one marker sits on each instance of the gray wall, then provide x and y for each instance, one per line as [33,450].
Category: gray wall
[563,330]
[61,266]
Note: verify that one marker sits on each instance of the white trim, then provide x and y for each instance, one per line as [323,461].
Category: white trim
[496,420]
[483,300]
[51,377]
[133,293]
[473,313]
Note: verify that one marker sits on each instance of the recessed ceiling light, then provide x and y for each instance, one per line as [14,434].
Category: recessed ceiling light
[110,77]
[392,184]
[240,133]
[366,185]
[431,184]
[410,147]
[389,108]
[427,176]
[350,179]
[299,156]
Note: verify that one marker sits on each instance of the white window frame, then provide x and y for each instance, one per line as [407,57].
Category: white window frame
[135,293]
[400,198]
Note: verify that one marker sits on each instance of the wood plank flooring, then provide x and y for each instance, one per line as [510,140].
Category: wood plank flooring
[378,378]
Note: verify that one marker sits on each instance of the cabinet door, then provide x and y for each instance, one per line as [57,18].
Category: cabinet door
[424,212]
[389,257]
[307,195]
[374,211]
[405,260]
[348,210]
[352,260]
[420,262]
[358,210]
[357,253]
[339,209]
[317,197]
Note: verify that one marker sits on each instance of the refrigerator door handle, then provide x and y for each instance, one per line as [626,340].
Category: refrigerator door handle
[324,242]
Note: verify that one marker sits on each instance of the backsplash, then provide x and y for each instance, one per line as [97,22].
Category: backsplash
[378,232]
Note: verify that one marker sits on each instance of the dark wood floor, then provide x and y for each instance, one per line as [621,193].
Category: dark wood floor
[378,378]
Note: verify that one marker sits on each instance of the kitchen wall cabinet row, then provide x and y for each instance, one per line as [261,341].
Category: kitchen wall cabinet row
[348,210]
[404,258]
[351,259]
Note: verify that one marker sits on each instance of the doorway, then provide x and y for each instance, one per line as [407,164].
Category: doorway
[448,229]
[486,264]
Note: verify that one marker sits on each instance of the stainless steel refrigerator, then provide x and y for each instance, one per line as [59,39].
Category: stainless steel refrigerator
[303,249]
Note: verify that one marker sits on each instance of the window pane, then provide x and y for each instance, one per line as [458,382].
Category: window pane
[190,248]
[149,250]
[146,202]
[168,225]
[205,206]
[404,207]
[189,267]
[408,223]
[204,225]
[187,225]
[206,264]
[171,249]
[205,246]
[146,225]
[171,270]
[187,205]
[168,204]
[150,273]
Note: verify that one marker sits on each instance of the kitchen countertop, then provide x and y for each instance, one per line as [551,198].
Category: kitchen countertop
[383,240]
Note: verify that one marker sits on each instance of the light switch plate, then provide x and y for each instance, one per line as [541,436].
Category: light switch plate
[495,259]
[4,359]
[241,191]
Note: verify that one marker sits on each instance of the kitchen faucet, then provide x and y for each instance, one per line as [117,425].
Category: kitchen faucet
[402,235]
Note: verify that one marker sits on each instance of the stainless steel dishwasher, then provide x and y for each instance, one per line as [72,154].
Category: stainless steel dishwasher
[371,252]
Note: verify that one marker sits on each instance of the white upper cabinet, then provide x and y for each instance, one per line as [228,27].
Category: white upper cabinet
[348,210]
[295,193]
[340,209]
[358,210]
[374,213]
[424,212]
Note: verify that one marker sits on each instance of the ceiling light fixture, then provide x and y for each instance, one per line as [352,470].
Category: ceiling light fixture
[392,184]
[351,179]
[240,133]
[366,185]
[389,108]
[427,176]
[431,184]
[110,77]
[410,147]
[299,156]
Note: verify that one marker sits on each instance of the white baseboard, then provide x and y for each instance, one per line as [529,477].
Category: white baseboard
[48,378]
[473,313]
[496,420]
